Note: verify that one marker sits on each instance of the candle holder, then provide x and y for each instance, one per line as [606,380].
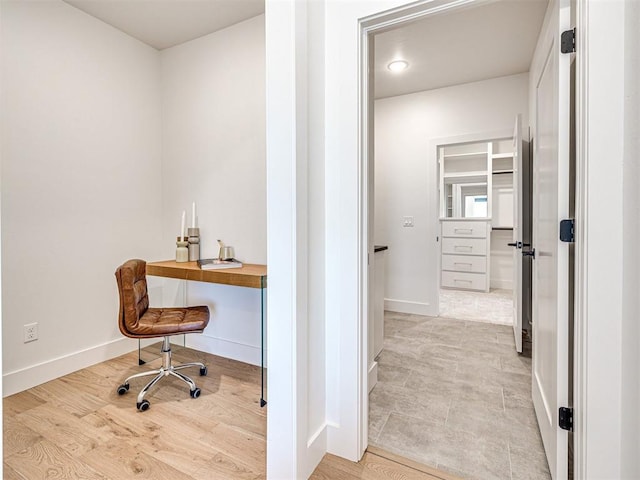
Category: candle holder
[194,243]
[182,252]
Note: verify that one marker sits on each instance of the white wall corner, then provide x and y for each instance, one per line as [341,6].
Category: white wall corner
[289,456]
[71,114]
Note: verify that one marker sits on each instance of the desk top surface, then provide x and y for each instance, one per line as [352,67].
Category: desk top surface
[249,275]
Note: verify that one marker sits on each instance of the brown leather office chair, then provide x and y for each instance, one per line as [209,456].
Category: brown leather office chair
[137,320]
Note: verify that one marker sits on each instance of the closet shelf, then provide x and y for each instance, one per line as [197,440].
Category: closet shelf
[463,155]
[481,173]
[502,155]
[500,172]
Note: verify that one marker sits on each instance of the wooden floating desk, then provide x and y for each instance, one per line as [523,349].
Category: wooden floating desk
[249,275]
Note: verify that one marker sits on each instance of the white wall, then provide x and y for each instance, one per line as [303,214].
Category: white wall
[297,422]
[213,153]
[316,335]
[81,183]
[501,258]
[87,111]
[1,154]
[344,245]
[406,183]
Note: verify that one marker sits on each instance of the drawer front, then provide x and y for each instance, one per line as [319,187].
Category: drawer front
[471,281]
[464,229]
[464,263]
[464,246]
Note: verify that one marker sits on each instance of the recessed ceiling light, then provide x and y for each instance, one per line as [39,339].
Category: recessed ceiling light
[398,65]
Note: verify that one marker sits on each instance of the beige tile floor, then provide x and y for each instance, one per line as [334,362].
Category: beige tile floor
[495,306]
[455,395]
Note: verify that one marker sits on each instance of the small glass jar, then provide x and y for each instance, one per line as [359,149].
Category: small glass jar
[182,250]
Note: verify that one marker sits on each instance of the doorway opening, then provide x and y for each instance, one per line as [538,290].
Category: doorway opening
[453,389]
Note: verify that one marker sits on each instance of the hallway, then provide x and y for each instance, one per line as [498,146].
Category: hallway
[454,394]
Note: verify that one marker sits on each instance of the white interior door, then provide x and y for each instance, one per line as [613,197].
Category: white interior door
[517,233]
[550,264]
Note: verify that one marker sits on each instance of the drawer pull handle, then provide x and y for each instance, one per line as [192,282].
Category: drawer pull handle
[461,281]
[467,248]
[462,263]
[463,230]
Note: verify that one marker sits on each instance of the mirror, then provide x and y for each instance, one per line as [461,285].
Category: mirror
[466,200]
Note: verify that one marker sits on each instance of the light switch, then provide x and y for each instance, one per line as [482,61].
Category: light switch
[407,221]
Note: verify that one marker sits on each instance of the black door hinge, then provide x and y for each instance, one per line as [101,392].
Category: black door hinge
[567,230]
[568,41]
[565,418]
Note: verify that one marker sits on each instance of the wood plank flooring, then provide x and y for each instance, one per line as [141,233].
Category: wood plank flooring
[376,464]
[78,427]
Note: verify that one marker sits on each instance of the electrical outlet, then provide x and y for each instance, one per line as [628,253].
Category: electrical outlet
[407,221]
[30,332]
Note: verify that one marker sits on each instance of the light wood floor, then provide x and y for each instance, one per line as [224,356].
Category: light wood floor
[376,464]
[78,427]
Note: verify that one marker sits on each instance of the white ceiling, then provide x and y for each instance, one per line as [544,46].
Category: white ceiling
[470,45]
[165,23]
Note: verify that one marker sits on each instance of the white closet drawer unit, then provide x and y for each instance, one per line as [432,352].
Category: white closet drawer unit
[464,229]
[464,246]
[465,254]
[471,281]
[464,263]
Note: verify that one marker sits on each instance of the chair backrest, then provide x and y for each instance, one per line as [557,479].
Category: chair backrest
[134,300]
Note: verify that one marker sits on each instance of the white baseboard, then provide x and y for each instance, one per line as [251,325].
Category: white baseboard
[226,348]
[406,306]
[316,448]
[28,377]
[372,377]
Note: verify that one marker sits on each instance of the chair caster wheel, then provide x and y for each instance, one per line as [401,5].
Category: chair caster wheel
[195,393]
[203,371]
[122,389]
[143,405]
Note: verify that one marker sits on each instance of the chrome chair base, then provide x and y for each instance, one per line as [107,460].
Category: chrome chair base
[164,371]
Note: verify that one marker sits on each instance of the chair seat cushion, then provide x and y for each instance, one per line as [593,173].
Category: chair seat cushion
[170,321]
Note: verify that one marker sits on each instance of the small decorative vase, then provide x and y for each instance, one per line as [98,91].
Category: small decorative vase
[194,244]
[182,252]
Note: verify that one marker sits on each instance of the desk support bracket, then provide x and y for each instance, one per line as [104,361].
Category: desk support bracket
[263,402]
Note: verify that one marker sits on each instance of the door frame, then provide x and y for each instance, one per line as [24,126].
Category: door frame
[598,416]
[585,119]
[432,156]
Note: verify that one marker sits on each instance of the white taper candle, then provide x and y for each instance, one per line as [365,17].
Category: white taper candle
[193,215]
[184,214]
